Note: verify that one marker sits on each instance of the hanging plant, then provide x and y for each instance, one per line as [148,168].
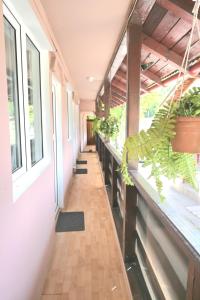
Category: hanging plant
[187,127]
[167,146]
[154,148]
[109,126]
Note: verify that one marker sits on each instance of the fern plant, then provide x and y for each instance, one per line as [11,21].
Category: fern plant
[153,147]
[189,104]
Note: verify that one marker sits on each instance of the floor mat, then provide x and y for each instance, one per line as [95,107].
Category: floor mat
[81,171]
[70,221]
[81,162]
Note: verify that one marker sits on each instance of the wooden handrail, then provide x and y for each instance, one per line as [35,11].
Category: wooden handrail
[174,225]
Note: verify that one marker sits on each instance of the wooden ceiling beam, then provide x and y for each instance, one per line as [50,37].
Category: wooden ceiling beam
[118,98]
[150,75]
[142,11]
[121,75]
[180,8]
[118,91]
[120,85]
[162,52]
[117,101]
[143,87]
[146,73]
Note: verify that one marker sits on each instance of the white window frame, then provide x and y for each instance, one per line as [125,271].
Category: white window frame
[24,35]
[11,19]
[23,179]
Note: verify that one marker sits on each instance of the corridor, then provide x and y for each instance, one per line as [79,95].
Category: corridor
[87,265]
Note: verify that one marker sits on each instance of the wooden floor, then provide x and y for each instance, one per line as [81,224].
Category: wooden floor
[87,265]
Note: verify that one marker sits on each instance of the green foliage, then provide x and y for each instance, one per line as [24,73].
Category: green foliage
[189,104]
[150,102]
[109,126]
[153,146]
[96,125]
[91,118]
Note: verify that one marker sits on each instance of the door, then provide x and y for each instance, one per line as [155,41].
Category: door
[57,143]
[90,133]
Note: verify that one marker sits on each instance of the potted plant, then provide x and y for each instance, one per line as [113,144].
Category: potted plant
[109,126]
[154,146]
[187,138]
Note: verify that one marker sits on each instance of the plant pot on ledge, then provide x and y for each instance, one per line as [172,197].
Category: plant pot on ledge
[187,138]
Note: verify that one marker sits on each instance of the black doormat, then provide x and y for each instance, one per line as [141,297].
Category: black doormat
[70,221]
[81,162]
[81,171]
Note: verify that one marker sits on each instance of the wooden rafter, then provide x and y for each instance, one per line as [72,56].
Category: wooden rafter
[121,75]
[120,85]
[180,8]
[162,51]
[122,100]
[147,74]
[119,96]
[117,100]
[143,87]
[118,91]
[142,11]
[150,75]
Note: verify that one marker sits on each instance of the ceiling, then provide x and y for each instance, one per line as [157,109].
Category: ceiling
[87,32]
[166,29]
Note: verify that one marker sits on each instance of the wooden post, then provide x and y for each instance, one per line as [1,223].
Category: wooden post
[134,44]
[107,97]
[130,223]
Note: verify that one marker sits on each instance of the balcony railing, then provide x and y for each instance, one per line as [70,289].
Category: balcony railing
[158,248]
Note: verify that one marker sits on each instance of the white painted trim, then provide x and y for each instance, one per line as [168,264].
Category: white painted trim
[58,140]
[8,15]
[24,12]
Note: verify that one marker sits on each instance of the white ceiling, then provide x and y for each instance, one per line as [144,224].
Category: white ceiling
[87,32]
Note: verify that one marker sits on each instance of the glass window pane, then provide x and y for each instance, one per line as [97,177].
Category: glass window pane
[34,102]
[13,95]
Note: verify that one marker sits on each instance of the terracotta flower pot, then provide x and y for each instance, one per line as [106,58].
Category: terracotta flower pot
[187,138]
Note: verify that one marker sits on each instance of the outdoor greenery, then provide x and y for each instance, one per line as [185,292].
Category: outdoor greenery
[150,102]
[119,112]
[189,105]
[109,126]
[153,146]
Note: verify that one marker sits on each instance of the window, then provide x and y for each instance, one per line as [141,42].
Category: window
[24,96]
[13,95]
[34,102]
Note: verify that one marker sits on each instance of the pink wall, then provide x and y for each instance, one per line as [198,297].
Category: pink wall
[87,106]
[26,226]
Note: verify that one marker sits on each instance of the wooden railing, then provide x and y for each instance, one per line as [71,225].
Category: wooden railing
[161,263]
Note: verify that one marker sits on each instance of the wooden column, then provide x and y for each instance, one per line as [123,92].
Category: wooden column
[98,111]
[130,224]
[134,44]
[107,97]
